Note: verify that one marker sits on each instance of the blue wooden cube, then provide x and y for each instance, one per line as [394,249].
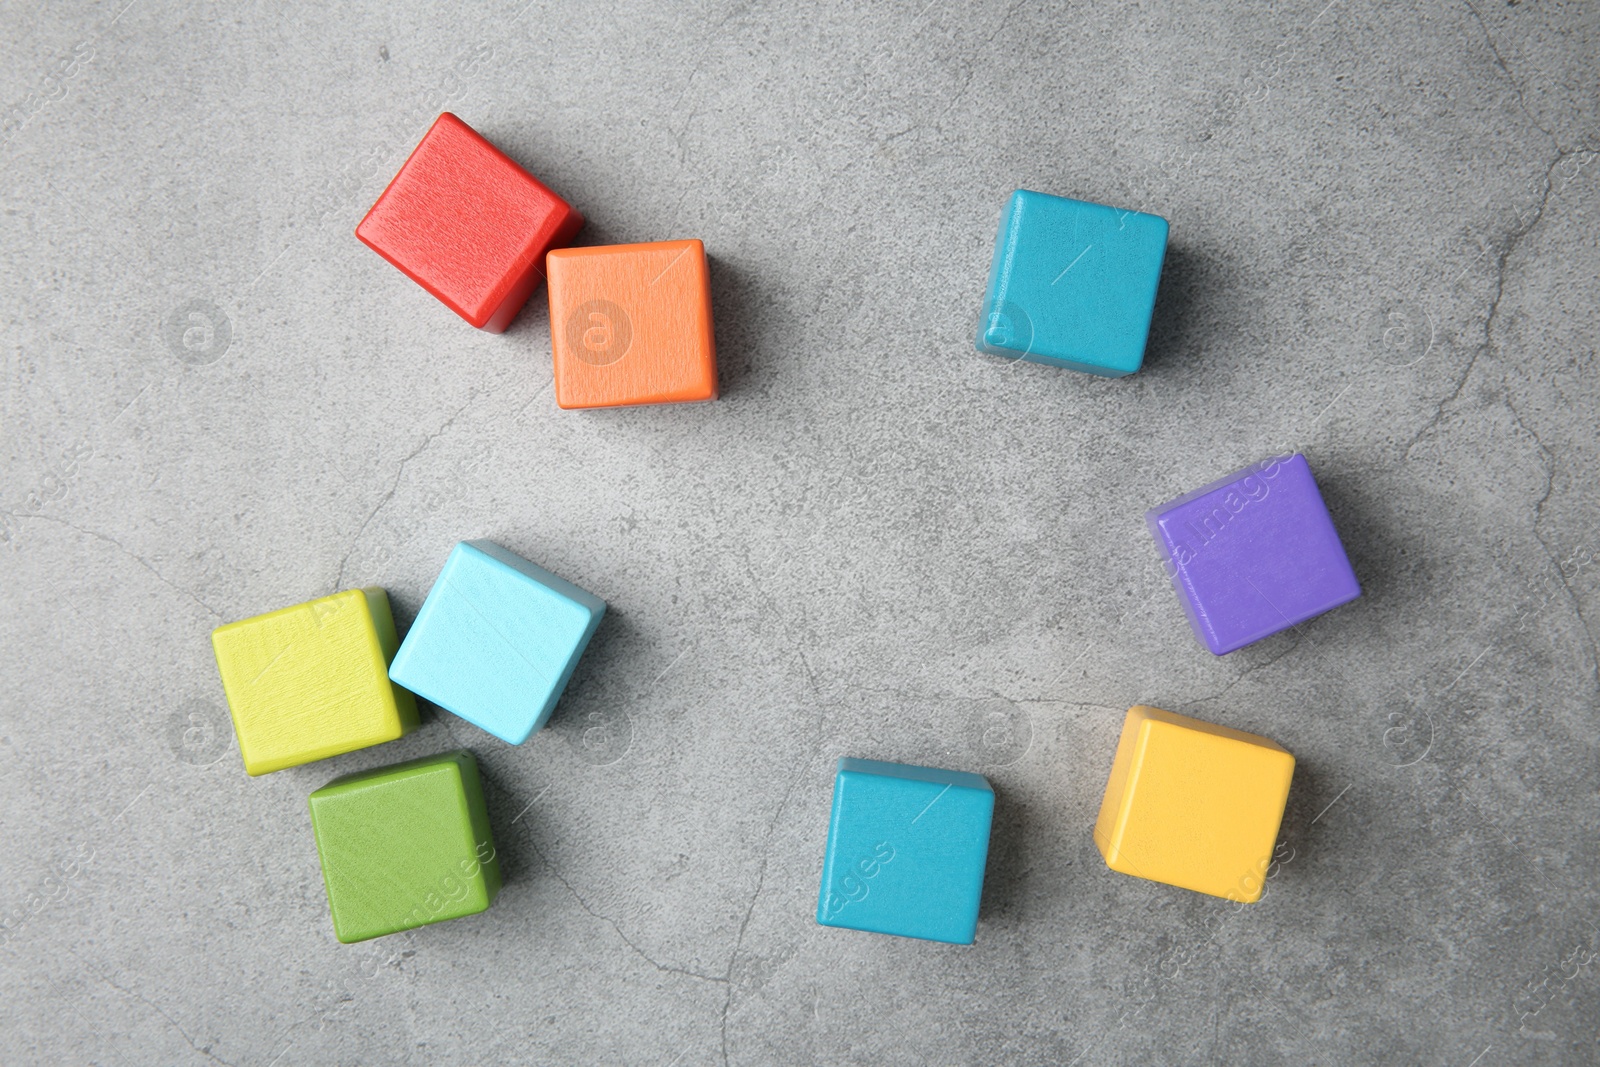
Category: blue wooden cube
[496,640]
[1072,284]
[906,851]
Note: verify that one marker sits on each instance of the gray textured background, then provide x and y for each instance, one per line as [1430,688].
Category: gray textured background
[878,543]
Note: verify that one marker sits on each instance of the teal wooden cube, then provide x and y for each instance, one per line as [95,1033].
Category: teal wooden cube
[404,846]
[1072,284]
[906,851]
[496,640]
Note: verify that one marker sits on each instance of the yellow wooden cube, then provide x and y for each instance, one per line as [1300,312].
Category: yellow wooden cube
[1193,805]
[312,681]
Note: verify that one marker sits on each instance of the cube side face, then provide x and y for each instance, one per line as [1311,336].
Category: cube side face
[911,772]
[388,644]
[311,681]
[468,224]
[1072,284]
[1109,824]
[487,856]
[496,643]
[403,846]
[905,856]
[1254,554]
[1004,329]
[631,324]
[506,558]
[1203,809]
[1172,718]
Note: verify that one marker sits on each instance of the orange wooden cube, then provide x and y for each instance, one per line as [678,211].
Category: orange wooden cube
[631,324]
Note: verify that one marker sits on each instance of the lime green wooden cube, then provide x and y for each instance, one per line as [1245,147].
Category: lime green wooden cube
[312,681]
[404,846]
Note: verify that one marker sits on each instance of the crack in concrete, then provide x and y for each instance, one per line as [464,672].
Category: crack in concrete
[1502,259]
[1247,672]
[725,979]
[136,995]
[766,854]
[394,486]
[972,67]
[1499,61]
[140,560]
[1065,703]
[772,825]
[615,927]
[1548,462]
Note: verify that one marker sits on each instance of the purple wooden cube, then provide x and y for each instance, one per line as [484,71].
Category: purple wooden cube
[1253,553]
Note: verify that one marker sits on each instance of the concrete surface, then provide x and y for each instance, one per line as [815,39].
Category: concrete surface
[879,543]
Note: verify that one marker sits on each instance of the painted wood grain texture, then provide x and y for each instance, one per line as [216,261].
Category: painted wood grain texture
[907,849]
[497,640]
[631,324]
[312,681]
[405,846]
[465,222]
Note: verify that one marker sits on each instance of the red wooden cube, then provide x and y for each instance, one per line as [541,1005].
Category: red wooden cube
[469,225]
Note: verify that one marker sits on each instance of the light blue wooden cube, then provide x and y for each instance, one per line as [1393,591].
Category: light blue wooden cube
[496,640]
[906,851]
[1072,284]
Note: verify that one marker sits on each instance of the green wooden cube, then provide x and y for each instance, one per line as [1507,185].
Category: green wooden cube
[404,846]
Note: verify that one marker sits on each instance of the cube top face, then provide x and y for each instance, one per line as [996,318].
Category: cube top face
[1072,284]
[468,225]
[1253,553]
[631,324]
[497,640]
[906,851]
[312,681]
[405,846]
[1193,805]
